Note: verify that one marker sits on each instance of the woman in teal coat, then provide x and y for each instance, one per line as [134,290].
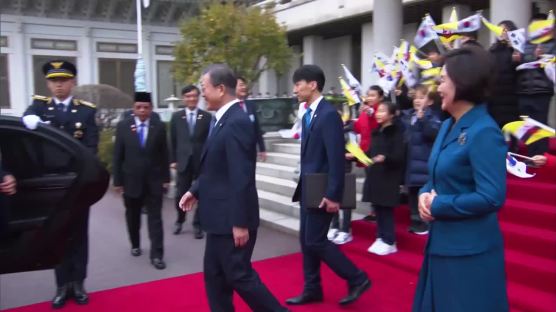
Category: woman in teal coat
[463,268]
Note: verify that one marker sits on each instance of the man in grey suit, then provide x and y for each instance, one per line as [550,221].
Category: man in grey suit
[188,132]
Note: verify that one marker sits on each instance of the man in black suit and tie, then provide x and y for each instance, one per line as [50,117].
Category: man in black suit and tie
[322,151]
[188,131]
[141,173]
[242,91]
[228,201]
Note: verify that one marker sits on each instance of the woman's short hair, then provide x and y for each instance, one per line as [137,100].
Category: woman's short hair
[378,90]
[470,69]
[391,107]
[510,25]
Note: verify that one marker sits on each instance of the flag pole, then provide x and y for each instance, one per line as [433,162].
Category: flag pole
[139,29]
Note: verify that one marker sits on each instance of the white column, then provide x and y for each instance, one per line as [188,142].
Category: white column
[367,51]
[387,24]
[311,49]
[518,11]
[85,61]
[19,88]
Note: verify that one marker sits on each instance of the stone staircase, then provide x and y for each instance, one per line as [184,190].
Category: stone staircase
[276,182]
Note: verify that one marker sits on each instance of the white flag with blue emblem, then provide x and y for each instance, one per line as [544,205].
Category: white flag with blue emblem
[517,39]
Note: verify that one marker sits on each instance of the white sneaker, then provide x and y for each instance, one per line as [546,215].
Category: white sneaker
[332,234]
[342,238]
[384,249]
[374,246]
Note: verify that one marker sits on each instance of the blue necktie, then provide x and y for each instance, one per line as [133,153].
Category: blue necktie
[212,124]
[191,123]
[306,121]
[142,134]
[61,107]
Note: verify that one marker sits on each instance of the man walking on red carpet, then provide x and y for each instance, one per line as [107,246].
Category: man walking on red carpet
[228,201]
[322,151]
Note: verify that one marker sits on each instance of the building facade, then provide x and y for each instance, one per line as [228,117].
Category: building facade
[99,36]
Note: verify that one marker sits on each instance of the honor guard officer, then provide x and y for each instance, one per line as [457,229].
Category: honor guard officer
[77,118]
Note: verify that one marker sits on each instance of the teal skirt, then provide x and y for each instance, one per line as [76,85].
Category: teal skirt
[475,283]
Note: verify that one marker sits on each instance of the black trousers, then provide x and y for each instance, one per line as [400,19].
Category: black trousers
[536,107]
[413,201]
[385,224]
[228,269]
[345,225]
[133,207]
[316,248]
[73,267]
[184,180]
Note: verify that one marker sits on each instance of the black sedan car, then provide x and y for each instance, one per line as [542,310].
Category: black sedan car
[57,179]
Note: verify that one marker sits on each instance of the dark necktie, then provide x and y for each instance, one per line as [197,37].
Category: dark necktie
[60,107]
[212,124]
[306,121]
[242,105]
[142,134]
[191,123]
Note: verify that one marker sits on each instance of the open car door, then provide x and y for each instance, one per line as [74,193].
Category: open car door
[57,179]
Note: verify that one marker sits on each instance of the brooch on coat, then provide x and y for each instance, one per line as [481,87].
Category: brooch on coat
[78,134]
[462,138]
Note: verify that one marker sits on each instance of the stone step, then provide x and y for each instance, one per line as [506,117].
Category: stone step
[283,204]
[287,148]
[288,224]
[283,159]
[277,171]
[279,186]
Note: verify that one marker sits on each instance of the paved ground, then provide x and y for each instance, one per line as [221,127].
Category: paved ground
[111,265]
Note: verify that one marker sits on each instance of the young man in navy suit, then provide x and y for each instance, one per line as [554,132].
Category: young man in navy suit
[228,201]
[322,151]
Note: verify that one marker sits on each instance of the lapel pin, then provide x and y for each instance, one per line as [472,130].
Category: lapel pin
[462,138]
[74,110]
[50,108]
[199,117]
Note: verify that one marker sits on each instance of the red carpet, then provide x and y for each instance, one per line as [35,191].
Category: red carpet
[528,221]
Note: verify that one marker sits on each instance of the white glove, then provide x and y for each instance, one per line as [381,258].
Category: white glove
[31,122]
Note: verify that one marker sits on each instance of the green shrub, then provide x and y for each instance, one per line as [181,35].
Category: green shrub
[106,148]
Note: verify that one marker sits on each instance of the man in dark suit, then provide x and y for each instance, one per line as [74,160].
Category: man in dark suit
[242,91]
[322,151]
[228,201]
[141,173]
[77,118]
[188,131]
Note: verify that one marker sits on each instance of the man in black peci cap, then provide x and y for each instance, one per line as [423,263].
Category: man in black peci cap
[77,118]
[141,174]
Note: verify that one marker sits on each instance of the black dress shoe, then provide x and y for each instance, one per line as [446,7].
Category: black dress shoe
[355,292]
[177,228]
[199,233]
[136,252]
[79,293]
[158,263]
[61,296]
[304,298]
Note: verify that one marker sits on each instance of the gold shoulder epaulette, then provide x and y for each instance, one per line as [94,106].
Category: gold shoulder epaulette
[86,103]
[40,97]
